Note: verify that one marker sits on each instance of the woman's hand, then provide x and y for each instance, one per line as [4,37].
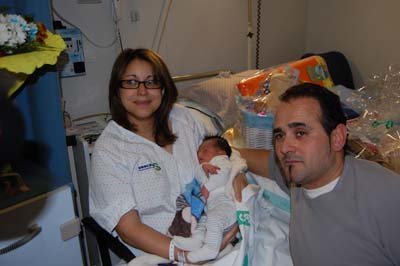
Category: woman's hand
[239,183]
[133,232]
[210,169]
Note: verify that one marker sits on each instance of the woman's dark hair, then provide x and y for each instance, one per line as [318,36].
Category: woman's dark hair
[331,109]
[163,134]
[221,143]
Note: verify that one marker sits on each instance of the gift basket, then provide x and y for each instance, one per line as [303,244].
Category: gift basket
[375,135]
[257,110]
[311,69]
[256,128]
[259,97]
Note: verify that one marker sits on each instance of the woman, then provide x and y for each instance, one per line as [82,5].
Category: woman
[145,156]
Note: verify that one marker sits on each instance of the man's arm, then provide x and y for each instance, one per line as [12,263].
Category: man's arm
[257,160]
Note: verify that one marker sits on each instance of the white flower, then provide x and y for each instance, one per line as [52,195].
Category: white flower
[5,35]
[16,19]
[2,19]
[18,36]
[15,31]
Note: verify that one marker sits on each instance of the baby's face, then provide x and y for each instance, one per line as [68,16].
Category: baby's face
[208,150]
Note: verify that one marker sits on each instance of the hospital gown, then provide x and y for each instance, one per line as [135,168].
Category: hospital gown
[131,172]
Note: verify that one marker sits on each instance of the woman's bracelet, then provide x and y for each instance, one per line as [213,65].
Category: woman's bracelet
[181,256]
[171,251]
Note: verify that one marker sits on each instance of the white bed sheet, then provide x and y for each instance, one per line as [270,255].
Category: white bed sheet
[268,238]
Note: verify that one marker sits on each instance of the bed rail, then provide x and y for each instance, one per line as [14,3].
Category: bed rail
[199,75]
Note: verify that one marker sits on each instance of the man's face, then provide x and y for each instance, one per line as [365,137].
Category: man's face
[302,146]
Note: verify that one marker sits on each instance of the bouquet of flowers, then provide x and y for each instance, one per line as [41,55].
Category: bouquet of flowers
[19,35]
[25,46]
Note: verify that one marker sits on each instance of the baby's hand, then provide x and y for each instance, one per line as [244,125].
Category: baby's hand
[210,169]
[204,191]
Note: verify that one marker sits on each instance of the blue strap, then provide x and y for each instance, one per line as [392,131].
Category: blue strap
[193,197]
[277,201]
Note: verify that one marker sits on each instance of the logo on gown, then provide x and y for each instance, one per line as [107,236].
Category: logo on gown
[148,166]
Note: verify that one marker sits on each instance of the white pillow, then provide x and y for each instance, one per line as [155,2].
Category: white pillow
[210,120]
[218,95]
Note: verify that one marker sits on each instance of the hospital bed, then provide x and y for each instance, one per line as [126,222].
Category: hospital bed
[216,86]
[212,98]
[98,244]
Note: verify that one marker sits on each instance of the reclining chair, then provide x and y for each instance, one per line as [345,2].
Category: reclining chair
[97,242]
[106,242]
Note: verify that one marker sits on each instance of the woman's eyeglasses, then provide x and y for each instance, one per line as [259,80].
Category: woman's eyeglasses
[134,84]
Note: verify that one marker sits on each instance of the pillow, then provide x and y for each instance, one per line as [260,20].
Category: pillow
[218,95]
[210,120]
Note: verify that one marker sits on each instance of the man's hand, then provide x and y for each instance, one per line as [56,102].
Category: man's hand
[229,236]
[210,169]
[239,183]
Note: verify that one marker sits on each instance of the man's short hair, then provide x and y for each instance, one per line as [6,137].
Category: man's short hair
[331,109]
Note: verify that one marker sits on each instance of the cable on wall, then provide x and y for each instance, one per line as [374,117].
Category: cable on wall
[115,19]
[162,22]
[258,30]
[249,34]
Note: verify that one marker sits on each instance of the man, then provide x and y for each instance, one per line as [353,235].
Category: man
[344,211]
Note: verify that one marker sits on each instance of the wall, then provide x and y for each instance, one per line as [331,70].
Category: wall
[196,37]
[283,26]
[86,94]
[199,36]
[364,30]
